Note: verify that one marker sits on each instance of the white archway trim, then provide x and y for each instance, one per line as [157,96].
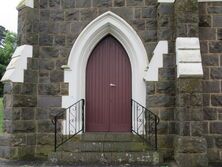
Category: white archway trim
[107,23]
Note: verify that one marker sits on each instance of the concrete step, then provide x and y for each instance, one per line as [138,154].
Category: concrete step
[145,158]
[83,146]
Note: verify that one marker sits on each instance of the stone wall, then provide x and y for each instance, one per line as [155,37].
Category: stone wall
[52,28]
[211,47]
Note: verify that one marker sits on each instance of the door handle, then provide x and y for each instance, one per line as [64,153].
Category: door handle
[112,85]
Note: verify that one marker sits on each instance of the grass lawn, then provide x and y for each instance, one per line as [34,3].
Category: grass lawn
[1,115]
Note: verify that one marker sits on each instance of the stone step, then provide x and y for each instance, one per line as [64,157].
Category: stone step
[145,158]
[82,146]
[107,137]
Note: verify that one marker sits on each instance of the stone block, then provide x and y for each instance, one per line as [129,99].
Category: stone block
[217,21]
[55,4]
[56,15]
[49,52]
[166,74]
[149,36]
[189,85]
[83,3]
[211,86]
[44,77]
[210,60]
[64,88]
[43,3]
[215,47]
[149,12]
[134,2]
[68,4]
[150,88]
[167,87]
[160,101]
[45,126]
[191,159]
[218,142]
[216,127]
[26,153]
[24,101]
[28,89]
[166,9]
[162,127]
[23,126]
[27,113]
[207,33]
[88,14]
[205,21]
[45,40]
[46,64]
[167,114]
[150,2]
[216,73]
[57,76]
[219,34]
[183,128]
[151,24]
[45,139]
[189,144]
[72,15]
[49,89]
[196,128]
[59,40]
[216,100]
[119,3]
[49,101]
[102,3]
[31,139]
[139,24]
[126,13]
[8,88]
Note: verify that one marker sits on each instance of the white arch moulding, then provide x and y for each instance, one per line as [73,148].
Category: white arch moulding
[107,23]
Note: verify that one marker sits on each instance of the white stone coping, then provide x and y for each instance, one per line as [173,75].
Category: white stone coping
[157,61]
[25,3]
[15,69]
[188,57]
[172,1]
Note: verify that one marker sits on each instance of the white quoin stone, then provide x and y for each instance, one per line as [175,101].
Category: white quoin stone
[25,3]
[157,61]
[15,69]
[188,58]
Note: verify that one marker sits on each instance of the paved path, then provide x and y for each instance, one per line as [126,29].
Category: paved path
[7,163]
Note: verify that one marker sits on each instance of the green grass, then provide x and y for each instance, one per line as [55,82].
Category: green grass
[1,115]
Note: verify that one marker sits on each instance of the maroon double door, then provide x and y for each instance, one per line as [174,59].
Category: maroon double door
[108,88]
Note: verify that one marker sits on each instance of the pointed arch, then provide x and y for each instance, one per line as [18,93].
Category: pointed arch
[107,23]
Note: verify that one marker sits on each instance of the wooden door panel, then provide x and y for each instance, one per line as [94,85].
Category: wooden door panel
[108,88]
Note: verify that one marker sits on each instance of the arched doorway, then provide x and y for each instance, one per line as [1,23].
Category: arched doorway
[108,88]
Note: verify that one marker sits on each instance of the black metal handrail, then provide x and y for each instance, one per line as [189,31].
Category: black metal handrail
[145,124]
[74,124]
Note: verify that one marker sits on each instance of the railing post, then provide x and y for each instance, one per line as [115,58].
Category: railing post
[156,119]
[55,130]
[83,104]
